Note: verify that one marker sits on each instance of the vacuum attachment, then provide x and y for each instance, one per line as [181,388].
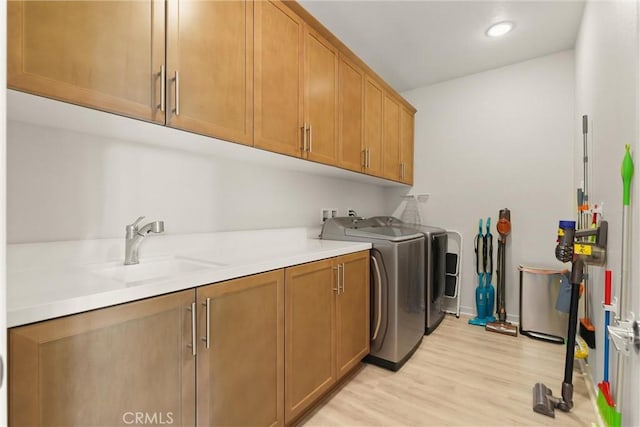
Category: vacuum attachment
[544,403]
[542,400]
[505,328]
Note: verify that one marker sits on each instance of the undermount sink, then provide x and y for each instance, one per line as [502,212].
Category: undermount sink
[152,269]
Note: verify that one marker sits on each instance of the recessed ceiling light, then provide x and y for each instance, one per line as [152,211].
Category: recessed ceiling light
[500,29]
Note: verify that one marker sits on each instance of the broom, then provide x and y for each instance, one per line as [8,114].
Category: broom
[606,405]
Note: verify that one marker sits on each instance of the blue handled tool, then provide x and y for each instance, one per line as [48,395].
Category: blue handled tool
[481,304]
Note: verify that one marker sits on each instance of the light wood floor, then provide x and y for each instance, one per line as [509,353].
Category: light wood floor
[460,376]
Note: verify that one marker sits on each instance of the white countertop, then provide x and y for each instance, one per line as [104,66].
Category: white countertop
[48,280]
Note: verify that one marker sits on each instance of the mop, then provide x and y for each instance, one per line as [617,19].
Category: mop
[502,326]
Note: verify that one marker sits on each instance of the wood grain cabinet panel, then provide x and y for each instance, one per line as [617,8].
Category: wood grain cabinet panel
[241,373]
[321,98]
[278,77]
[310,334]
[391,167]
[100,54]
[210,46]
[101,367]
[373,100]
[406,145]
[351,116]
[326,326]
[352,312]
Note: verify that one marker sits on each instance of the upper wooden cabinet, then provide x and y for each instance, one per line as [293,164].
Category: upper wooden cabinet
[391,138]
[262,73]
[296,86]
[278,68]
[99,368]
[351,116]
[406,145]
[100,54]
[210,68]
[373,107]
[320,98]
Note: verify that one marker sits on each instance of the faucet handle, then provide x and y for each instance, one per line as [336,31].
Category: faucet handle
[131,229]
[136,223]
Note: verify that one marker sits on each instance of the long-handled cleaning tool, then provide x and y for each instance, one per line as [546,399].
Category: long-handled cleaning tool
[626,171]
[606,405]
[579,253]
[501,325]
[487,261]
[481,303]
[587,330]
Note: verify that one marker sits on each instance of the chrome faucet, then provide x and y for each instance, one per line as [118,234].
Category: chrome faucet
[134,236]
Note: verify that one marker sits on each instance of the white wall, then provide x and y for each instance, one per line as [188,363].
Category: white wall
[498,139]
[66,185]
[607,64]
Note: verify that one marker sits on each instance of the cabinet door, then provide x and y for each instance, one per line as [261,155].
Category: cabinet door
[210,47]
[391,138]
[309,334]
[373,96]
[102,367]
[321,98]
[100,54]
[278,67]
[241,374]
[351,120]
[352,311]
[406,145]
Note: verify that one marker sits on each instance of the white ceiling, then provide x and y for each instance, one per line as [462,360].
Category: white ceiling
[417,43]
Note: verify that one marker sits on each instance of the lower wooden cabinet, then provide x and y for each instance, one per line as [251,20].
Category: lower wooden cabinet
[240,355]
[327,326]
[257,351]
[136,362]
[105,367]
[352,312]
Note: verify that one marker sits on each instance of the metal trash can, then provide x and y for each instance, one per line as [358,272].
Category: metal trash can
[538,294]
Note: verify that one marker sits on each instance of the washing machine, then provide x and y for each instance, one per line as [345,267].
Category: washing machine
[397,286]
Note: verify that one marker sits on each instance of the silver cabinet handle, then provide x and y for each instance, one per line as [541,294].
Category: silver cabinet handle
[368,158]
[192,309]
[310,138]
[304,137]
[207,337]
[176,79]
[343,277]
[163,88]
[379,305]
[337,289]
